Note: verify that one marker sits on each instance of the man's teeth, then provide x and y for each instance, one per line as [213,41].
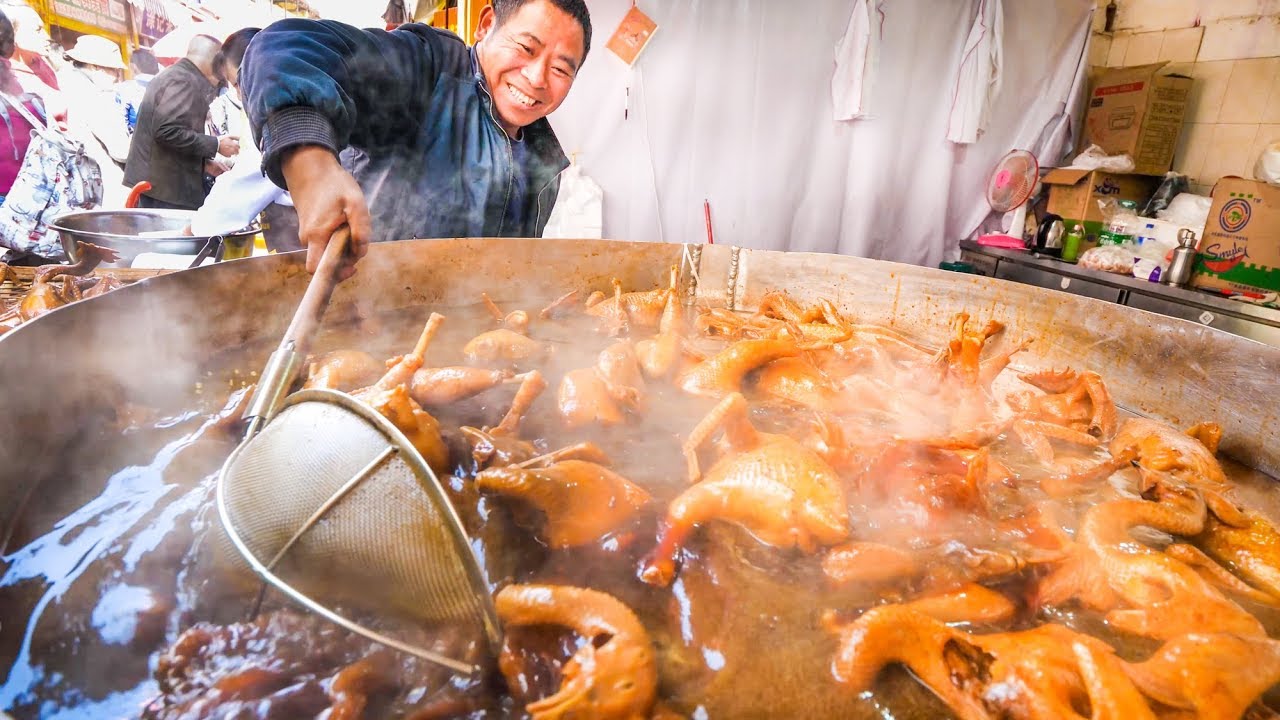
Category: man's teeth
[520,97]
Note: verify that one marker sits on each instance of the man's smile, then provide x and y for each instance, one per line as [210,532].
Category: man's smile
[520,97]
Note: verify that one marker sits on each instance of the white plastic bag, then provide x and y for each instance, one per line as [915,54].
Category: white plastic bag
[1116,259]
[1095,158]
[579,210]
[1188,210]
[1267,168]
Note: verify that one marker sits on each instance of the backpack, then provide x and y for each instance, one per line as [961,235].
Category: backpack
[56,178]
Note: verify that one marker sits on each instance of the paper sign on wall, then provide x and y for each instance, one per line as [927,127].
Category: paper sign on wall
[632,35]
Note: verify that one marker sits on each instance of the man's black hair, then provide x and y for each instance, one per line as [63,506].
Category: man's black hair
[145,61]
[577,9]
[233,50]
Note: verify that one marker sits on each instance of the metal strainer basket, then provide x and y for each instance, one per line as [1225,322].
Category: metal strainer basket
[331,505]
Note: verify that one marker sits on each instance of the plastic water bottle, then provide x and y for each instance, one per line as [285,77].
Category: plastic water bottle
[1147,233]
[1118,230]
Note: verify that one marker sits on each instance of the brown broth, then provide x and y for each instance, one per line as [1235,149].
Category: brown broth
[105,573]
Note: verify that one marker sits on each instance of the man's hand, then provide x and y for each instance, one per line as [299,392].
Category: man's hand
[228,146]
[326,198]
[213,168]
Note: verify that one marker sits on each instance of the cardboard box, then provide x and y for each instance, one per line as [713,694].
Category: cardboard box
[1240,247]
[1074,194]
[1137,112]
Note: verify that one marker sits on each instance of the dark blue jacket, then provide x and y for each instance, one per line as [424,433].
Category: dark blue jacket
[433,160]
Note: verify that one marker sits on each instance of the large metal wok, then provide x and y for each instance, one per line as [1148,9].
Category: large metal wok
[149,338]
[146,342]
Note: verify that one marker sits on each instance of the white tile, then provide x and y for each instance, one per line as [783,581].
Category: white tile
[1267,134]
[1182,45]
[1271,114]
[1268,44]
[1241,38]
[1193,146]
[1144,48]
[1207,90]
[1228,153]
[1119,44]
[1212,11]
[1099,47]
[1145,15]
[1248,90]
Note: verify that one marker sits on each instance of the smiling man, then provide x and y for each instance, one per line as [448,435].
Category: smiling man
[449,141]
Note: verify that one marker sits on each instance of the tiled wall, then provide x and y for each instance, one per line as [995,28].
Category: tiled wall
[1232,49]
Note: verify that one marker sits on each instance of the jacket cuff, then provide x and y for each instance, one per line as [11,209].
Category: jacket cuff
[289,128]
[208,147]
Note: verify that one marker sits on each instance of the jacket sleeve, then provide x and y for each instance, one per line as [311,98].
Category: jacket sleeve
[320,82]
[172,107]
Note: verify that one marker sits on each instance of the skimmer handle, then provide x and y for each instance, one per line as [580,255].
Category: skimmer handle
[286,362]
[316,300]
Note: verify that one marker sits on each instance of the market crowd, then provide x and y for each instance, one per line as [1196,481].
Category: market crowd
[405,134]
[161,137]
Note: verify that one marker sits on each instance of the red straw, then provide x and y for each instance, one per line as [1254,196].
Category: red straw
[706,210]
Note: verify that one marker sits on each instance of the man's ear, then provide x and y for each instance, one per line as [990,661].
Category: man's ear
[485,25]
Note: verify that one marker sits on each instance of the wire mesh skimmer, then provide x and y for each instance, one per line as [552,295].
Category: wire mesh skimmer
[330,504]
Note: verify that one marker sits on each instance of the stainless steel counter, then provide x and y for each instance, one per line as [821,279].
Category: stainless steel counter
[1251,321]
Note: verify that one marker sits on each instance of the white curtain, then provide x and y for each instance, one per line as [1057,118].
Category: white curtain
[731,102]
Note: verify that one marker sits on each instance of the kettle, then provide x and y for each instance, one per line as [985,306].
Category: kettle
[1049,236]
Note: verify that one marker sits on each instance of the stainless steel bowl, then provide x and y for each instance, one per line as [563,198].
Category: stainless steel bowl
[136,231]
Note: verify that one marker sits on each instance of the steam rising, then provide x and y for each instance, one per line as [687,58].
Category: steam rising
[124,436]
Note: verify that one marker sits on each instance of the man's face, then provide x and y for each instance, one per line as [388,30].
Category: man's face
[529,62]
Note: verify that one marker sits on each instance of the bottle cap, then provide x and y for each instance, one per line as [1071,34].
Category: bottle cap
[1187,238]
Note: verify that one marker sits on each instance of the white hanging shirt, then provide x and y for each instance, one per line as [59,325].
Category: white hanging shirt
[856,56]
[978,79]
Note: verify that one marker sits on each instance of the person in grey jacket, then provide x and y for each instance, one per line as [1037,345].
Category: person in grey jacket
[454,140]
[169,148]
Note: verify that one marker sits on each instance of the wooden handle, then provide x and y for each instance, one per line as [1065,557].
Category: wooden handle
[316,300]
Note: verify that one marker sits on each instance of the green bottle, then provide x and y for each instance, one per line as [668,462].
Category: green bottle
[1071,244]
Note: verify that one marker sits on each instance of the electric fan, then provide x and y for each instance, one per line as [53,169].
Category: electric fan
[1010,187]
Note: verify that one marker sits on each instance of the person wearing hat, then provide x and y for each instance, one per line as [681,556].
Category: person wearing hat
[88,88]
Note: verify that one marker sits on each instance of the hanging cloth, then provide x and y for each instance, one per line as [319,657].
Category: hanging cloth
[857,53]
[979,76]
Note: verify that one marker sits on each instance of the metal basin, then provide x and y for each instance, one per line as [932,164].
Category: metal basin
[136,231]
